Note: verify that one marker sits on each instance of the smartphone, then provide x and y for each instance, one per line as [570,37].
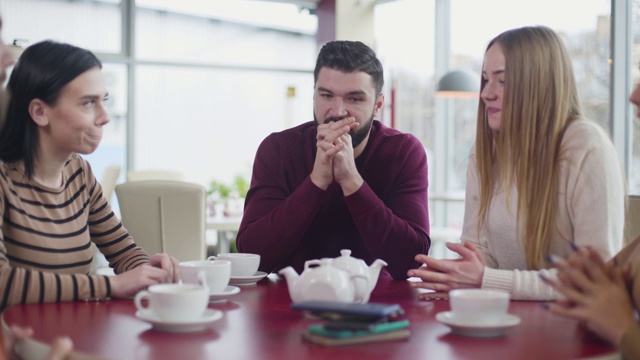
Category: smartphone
[351,325]
[377,328]
[337,311]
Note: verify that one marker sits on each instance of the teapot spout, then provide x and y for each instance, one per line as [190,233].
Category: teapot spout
[289,273]
[292,282]
[374,272]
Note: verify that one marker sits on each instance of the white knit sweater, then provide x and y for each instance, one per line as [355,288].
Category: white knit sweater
[590,213]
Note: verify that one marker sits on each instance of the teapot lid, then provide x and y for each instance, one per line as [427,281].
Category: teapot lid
[348,262]
[345,252]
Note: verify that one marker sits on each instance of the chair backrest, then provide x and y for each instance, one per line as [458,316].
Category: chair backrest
[632,218]
[109,180]
[165,216]
[143,175]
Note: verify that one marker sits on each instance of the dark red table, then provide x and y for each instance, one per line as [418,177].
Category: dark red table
[258,323]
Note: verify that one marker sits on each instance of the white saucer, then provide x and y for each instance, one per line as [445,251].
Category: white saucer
[476,330]
[209,316]
[247,280]
[228,291]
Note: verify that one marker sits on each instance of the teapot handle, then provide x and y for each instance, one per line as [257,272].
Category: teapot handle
[308,263]
[363,277]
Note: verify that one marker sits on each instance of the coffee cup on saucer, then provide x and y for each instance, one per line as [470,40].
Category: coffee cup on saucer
[218,273]
[478,307]
[174,302]
[242,264]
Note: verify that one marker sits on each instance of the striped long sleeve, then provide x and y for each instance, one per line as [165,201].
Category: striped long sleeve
[46,235]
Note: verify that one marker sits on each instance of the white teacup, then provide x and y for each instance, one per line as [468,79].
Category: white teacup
[479,306]
[242,264]
[217,272]
[174,302]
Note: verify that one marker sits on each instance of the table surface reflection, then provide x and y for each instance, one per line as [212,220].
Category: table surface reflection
[258,323]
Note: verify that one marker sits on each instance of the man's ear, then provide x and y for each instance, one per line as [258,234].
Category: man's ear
[379,103]
[38,112]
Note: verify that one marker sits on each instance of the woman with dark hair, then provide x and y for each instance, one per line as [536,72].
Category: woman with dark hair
[51,205]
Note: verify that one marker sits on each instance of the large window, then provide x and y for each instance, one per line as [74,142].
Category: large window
[586,34]
[208,122]
[447,126]
[213,80]
[209,80]
[448,138]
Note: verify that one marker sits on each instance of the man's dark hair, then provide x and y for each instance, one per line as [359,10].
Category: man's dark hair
[349,57]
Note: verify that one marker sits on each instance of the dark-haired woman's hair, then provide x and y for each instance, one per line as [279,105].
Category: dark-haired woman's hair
[41,72]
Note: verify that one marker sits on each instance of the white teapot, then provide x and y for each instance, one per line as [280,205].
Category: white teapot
[357,266]
[344,279]
[324,282]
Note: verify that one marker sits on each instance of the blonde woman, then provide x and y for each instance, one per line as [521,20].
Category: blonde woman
[541,179]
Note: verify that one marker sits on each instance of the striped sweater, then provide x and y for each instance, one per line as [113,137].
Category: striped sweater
[45,252]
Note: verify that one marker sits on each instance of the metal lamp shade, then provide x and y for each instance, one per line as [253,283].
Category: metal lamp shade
[458,84]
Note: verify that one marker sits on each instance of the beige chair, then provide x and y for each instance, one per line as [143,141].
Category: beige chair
[632,218]
[144,175]
[165,216]
[109,180]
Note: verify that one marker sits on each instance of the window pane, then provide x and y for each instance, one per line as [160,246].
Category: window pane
[408,64]
[240,33]
[112,149]
[586,34]
[94,25]
[208,123]
[634,127]
[410,68]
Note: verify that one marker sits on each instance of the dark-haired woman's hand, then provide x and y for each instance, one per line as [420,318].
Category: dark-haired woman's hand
[169,264]
[595,293]
[129,283]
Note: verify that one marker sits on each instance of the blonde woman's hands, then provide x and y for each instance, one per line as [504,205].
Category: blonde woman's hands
[444,275]
[595,293]
[162,268]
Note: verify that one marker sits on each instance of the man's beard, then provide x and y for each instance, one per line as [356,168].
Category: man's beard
[357,135]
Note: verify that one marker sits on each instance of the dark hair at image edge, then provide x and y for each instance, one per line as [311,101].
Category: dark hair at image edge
[349,57]
[41,72]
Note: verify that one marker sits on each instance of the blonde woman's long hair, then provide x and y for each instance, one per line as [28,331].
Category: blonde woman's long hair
[540,101]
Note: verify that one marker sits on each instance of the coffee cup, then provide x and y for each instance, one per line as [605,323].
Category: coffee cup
[174,302]
[479,306]
[217,273]
[242,264]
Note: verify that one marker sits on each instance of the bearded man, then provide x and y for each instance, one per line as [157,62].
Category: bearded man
[342,181]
